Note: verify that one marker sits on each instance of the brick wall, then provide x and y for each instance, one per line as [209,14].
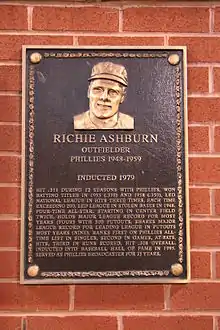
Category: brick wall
[116,307]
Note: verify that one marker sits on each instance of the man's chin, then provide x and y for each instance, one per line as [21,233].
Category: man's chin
[103,116]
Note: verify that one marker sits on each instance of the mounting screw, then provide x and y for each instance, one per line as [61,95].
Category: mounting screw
[176,269]
[35,58]
[173,59]
[33,270]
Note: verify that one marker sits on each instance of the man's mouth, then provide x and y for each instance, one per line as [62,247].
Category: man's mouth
[104,105]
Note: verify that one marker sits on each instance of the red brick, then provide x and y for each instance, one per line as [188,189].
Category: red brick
[75,19]
[199,201]
[198,80]
[72,323]
[199,49]
[162,19]
[204,170]
[204,109]
[217,264]
[216,75]
[217,201]
[149,297]
[10,78]
[217,19]
[168,322]
[10,138]
[9,261]
[11,45]
[217,139]
[9,233]
[198,139]
[9,200]
[195,296]
[13,17]
[200,265]
[20,297]
[205,233]
[10,323]
[10,108]
[10,169]
[124,41]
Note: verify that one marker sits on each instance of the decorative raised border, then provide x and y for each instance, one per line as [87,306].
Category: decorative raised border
[31,94]
[31,129]
[107,274]
[179,163]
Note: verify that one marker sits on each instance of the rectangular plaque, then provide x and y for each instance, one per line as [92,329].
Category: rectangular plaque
[104,179]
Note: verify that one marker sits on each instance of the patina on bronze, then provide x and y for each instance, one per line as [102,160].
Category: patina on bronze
[104,173]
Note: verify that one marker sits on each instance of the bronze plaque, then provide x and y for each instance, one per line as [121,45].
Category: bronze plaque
[104,187]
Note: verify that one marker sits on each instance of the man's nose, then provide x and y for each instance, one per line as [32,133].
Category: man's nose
[104,95]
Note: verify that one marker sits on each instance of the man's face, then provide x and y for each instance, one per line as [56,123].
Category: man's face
[104,98]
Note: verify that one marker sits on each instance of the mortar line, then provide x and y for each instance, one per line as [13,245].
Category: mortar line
[205,124]
[211,20]
[56,3]
[10,153]
[201,218]
[210,250]
[212,202]
[6,93]
[213,265]
[155,313]
[199,64]
[205,186]
[75,41]
[9,217]
[9,249]
[30,14]
[120,20]
[205,280]
[110,34]
[9,123]
[204,95]
[120,323]
[211,80]
[9,281]
[204,155]
[198,125]
[215,323]
[167,297]
[212,138]
[10,63]
[23,323]
[207,215]
[9,185]
[166,40]
[72,297]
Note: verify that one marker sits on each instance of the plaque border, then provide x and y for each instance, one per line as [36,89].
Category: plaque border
[85,278]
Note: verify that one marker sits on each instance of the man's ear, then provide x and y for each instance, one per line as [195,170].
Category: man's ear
[88,91]
[123,97]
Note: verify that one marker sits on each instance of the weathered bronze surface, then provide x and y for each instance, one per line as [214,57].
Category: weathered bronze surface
[104,165]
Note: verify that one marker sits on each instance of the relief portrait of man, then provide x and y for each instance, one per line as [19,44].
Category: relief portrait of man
[107,90]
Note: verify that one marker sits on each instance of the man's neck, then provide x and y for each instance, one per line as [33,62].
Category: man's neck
[104,123]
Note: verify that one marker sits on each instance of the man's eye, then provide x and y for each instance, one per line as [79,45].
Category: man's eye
[113,92]
[97,90]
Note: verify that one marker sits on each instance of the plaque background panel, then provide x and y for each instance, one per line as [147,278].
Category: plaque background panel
[61,86]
